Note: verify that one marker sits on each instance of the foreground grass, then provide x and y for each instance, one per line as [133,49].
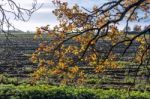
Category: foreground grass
[64,92]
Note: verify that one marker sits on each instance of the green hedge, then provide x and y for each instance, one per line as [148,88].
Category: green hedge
[62,92]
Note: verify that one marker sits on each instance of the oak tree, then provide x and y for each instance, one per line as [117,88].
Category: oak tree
[88,38]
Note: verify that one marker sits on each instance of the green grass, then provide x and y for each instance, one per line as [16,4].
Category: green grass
[66,92]
[125,63]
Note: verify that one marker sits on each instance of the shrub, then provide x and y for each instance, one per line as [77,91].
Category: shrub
[65,92]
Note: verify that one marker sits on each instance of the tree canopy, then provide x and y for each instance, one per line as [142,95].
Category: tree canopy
[79,38]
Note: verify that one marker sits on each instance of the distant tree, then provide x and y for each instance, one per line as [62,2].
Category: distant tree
[87,30]
[145,27]
[127,29]
[137,28]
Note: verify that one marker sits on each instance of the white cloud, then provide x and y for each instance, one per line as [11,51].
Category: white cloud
[46,10]
[28,2]
[41,17]
[24,26]
[44,15]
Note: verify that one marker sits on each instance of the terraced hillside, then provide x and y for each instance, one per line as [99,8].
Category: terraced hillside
[14,61]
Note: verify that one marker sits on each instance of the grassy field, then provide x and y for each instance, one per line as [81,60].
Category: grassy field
[66,92]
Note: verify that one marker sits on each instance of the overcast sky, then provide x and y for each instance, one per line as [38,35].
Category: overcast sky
[39,18]
[44,15]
